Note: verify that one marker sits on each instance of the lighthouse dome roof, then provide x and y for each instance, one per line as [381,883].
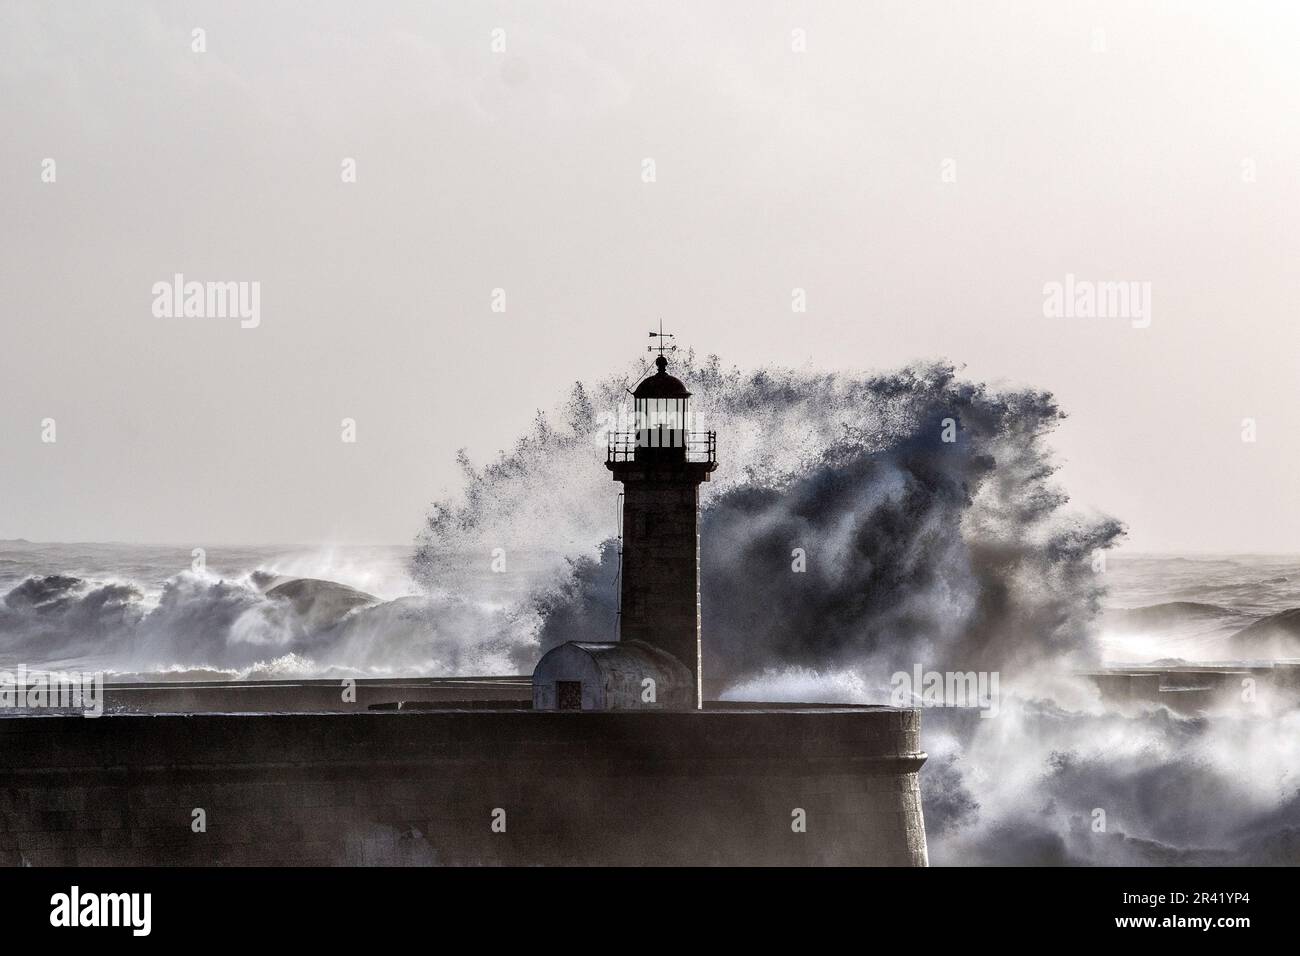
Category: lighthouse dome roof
[661,384]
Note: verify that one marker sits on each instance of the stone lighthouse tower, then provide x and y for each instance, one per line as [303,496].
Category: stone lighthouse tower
[661,464]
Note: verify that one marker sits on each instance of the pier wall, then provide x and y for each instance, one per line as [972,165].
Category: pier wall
[719,786]
[1196,688]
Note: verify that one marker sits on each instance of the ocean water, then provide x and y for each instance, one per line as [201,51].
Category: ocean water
[152,611]
[1190,607]
[158,612]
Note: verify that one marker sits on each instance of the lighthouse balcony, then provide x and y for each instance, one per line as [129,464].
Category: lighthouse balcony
[662,444]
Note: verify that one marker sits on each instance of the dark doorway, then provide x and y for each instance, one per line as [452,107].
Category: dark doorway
[568,695]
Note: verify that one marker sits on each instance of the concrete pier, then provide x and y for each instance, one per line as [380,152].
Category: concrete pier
[1192,688]
[465,785]
[312,696]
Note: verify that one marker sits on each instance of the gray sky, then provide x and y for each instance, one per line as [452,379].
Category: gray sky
[1108,141]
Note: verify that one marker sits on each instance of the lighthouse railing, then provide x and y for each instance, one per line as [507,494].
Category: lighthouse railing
[698,446]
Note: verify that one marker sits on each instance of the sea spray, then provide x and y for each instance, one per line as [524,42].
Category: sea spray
[924,507]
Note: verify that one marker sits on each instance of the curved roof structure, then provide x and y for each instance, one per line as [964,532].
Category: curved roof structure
[661,384]
[613,676]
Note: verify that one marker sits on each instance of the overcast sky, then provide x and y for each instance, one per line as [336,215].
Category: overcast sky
[920,169]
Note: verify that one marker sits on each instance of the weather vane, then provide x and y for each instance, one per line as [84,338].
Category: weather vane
[661,335]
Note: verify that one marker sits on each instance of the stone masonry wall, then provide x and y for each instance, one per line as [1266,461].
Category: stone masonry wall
[661,576]
[711,787]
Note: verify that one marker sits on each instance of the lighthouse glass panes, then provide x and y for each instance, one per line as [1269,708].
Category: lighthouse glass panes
[661,422]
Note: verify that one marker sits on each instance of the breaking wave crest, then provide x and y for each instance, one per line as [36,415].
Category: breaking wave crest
[257,625]
[921,507]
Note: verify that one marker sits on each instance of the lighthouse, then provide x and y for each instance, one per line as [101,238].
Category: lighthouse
[656,663]
[661,464]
